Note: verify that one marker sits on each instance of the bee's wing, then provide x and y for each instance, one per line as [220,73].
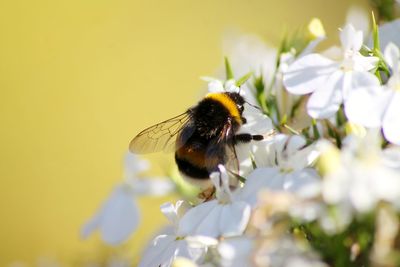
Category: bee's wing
[162,136]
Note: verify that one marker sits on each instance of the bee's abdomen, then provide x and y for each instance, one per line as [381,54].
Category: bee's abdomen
[193,162]
[190,169]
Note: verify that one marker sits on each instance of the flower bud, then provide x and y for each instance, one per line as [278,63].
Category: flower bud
[315,29]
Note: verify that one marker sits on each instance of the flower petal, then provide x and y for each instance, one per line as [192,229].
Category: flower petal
[366,106]
[391,157]
[243,152]
[389,32]
[325,101]
[391,120]
[308,73]
[152,186]
[389,188]
[362,193]
[116,219]
[362,63]
[305,183]
[174,212]
[215,86]
[214,220]
[392,57]
[255,182]
[134,165]
[312,45]
[303,158]
[236,252]
[350,38]
[120,216]
[355,80]
[256,121]
[165,248]
[295,143]
[220,180]
[91,225]
[201,220]
[234,218]
[263,152]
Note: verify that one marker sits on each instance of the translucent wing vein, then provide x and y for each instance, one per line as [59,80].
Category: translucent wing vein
[159,137]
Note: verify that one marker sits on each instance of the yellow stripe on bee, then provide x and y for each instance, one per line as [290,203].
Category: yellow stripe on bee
[228,103]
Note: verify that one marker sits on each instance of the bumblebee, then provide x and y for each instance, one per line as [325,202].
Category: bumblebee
[203,137]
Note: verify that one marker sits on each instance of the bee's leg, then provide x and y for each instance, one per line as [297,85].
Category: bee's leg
[246,138]
[207,194]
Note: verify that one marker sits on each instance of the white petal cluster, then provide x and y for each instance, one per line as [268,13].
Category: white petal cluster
[282,165]
[379,106]
[363,176]
[331,81]
[119,215]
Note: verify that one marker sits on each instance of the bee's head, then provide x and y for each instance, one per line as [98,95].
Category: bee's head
[238,99]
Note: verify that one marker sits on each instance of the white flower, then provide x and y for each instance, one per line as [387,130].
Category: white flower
[116,219]
[119,216]
[166,248]
[222,216]
[362,178]
[288,153]
[377,106]
[329,81]
[282,165]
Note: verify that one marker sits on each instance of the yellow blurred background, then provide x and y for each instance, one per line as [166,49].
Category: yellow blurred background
[78,79]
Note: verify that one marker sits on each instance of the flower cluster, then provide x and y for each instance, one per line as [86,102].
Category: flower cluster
[323,187]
